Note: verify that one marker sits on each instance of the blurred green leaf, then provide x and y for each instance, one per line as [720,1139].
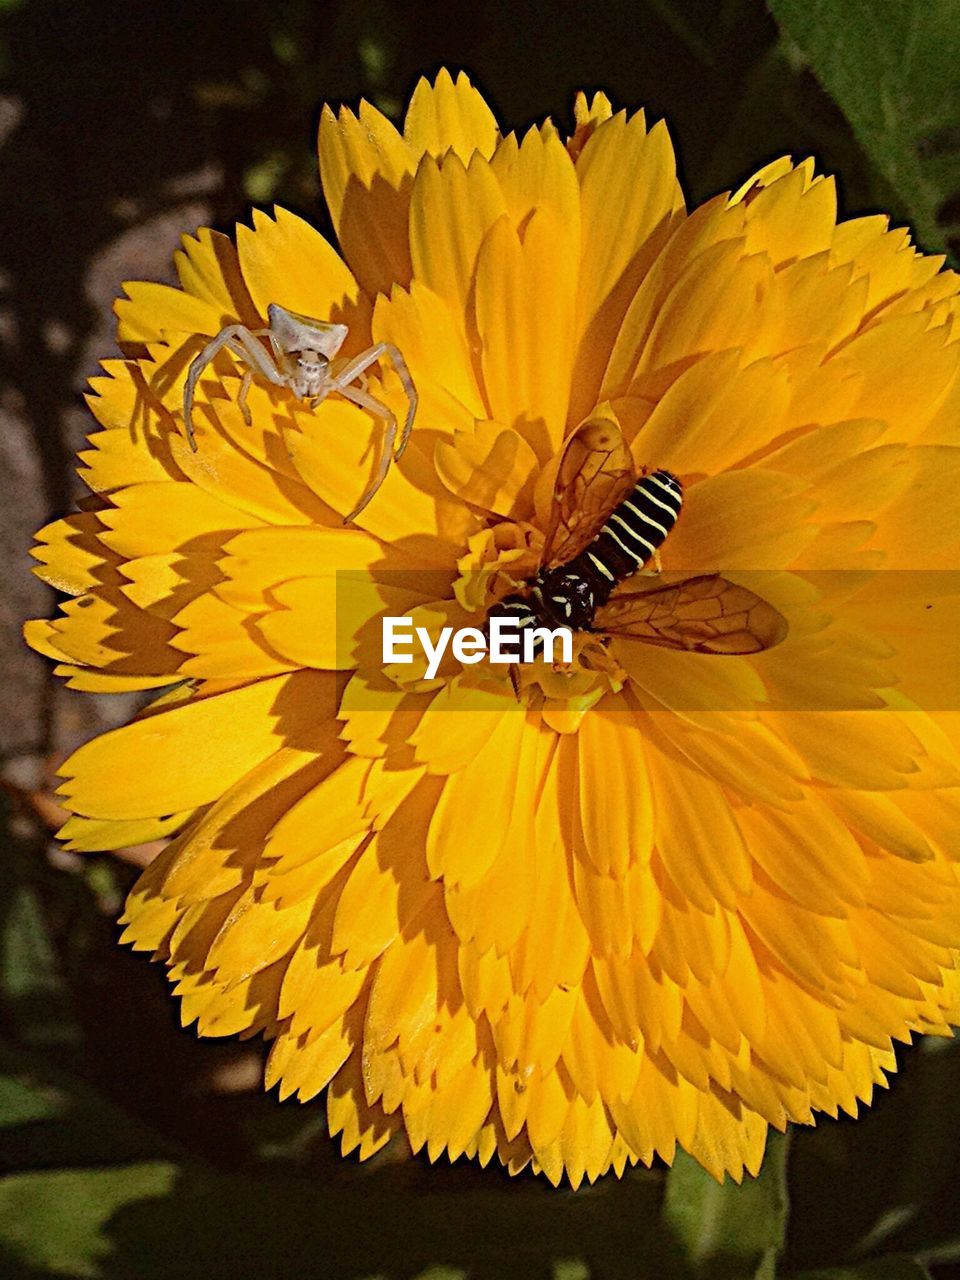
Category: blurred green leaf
[27,1102]
[726,1230]
[899,1267]
[888,1183]
[568,1270]
[56,1219]
[34,1001]
[32,986]
[157,1220]
[262,179]
[891,66]
[49,1117]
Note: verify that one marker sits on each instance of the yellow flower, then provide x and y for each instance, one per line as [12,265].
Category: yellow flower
[663,897]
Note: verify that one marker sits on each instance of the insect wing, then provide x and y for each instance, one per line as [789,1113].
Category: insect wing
[704,614]
[595,473]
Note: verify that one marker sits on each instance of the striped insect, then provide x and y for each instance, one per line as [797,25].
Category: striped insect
[606,526]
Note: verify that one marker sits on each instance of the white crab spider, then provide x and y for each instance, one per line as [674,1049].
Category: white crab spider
[300,357]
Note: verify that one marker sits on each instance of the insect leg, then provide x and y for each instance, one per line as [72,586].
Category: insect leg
[350,372]
[655,572]
[381,411]
[515,680]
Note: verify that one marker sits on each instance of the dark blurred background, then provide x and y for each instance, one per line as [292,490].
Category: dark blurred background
[131,1149]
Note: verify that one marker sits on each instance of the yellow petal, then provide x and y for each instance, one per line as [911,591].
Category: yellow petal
[749,519]
[725,1142]
[151,518]
[705,242]
[366,169]
[539,174]
[491,466]
[259,559]
[220,469]
[151,310]
[452,208]
[884,256]
[317,622]
[403,996]
[696,835]
[906,393]
[464,855]
[623,167]
[85,835]
[713,415]
[99,682]
[810,854]
[71,557]
[208,268]
[304,1069]
[588,114]
[387,889]
[255,935]
[335,452]
[525,316]
[98,630]
[614,787]
[433,340]
[223,643]
[364,1129]
[459,720]
[285,260]
[869,749]
[449,115]
[134,448]
[793,216]
[178,769]
[218,854]
[713,305]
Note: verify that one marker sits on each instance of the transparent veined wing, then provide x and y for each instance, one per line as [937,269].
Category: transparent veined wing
[706,613]
[595,472]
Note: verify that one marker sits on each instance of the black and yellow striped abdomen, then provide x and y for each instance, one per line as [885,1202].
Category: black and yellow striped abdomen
[569,594]
[630,536]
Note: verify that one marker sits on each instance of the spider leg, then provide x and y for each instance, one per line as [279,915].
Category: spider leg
[241,341]
[273,340]
[258,358]
[242,397]
[352,370]
[197,366]
[403,373]
[381,411]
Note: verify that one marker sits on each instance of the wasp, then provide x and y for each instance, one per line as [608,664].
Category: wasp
[300,355]
[606,525]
